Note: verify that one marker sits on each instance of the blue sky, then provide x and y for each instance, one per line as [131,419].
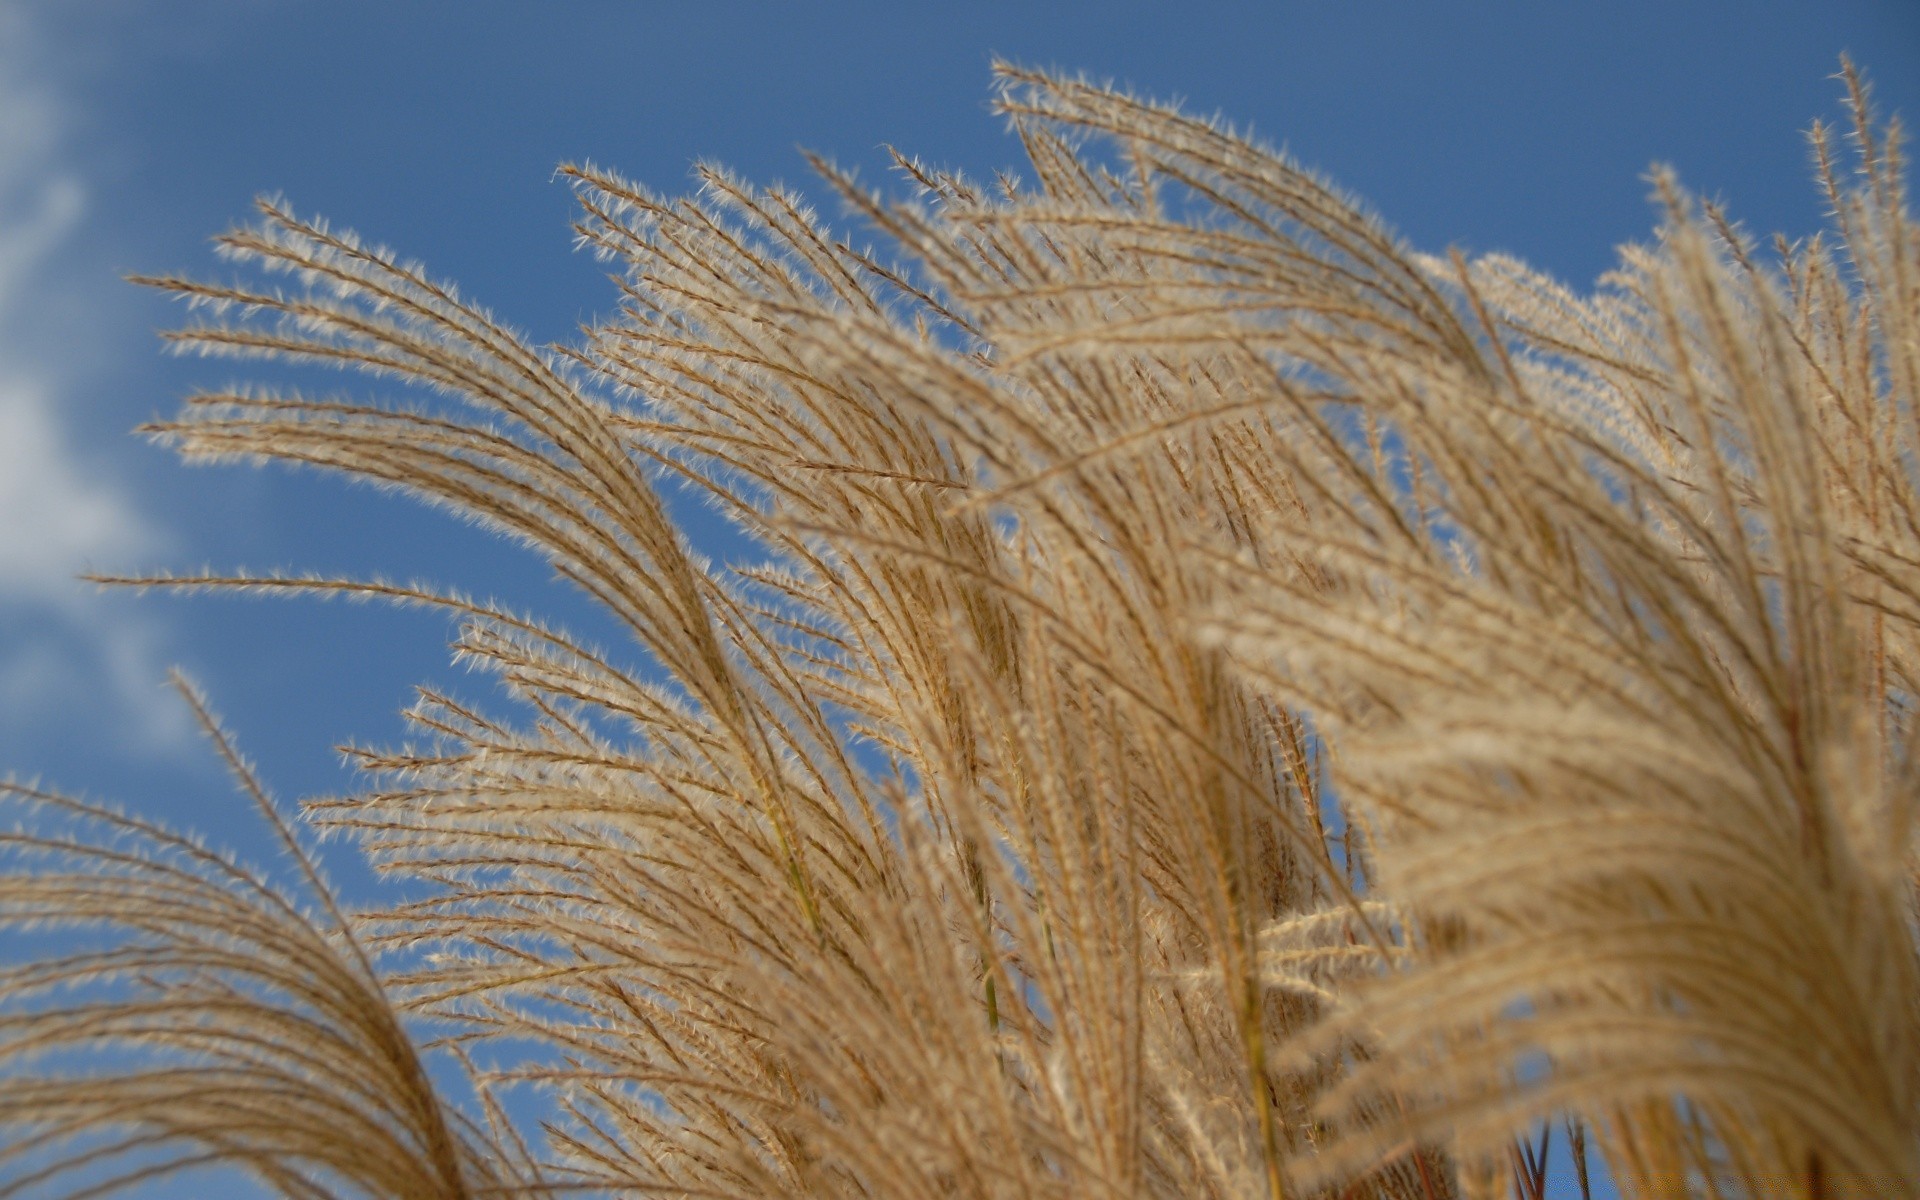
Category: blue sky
[130,130]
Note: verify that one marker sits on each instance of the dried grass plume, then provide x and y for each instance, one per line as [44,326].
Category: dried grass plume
[1225,706]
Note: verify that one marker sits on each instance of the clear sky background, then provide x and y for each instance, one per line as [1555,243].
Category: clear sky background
[131,130]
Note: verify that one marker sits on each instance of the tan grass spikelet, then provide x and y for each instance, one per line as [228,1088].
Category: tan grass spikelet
[1228,706]
[267,1040]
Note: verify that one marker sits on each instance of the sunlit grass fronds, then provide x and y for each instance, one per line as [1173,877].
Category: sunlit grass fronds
[199,1014]
[1642,766]
[1223,705]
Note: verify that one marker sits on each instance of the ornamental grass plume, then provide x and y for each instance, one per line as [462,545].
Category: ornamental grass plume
[1224,706]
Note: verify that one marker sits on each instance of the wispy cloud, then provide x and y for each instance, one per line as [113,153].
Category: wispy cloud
[61,511]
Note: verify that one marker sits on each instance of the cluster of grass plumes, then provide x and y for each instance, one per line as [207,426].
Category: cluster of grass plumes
[1228,707]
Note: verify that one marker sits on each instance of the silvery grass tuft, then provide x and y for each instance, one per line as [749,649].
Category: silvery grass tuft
[1229,706]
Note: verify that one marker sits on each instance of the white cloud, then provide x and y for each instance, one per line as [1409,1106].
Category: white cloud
[56,516]
[62,648]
